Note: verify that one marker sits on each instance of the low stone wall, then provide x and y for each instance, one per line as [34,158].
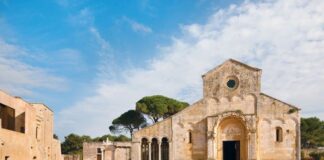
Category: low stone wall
[306,152]
[71,157]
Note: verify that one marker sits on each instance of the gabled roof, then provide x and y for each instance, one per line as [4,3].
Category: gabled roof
[275,99]
[235,62]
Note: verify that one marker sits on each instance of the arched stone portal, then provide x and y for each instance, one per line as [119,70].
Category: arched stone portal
[231,139]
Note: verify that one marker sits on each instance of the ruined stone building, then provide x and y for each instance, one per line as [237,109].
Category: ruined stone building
[26,130]
[233,121]
[107,150]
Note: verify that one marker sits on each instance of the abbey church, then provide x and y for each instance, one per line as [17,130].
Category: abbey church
[233,121]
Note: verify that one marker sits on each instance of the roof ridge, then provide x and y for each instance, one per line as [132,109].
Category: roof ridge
[280,100]
[234,61]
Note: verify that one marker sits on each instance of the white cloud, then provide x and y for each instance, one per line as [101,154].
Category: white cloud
[138,27]
[284,38]
[18,77]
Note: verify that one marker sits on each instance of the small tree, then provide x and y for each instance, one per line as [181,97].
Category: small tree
[128,122]
[312,132]
[119,138]
[156,107]
[317,155]
[73,143]
[55,136]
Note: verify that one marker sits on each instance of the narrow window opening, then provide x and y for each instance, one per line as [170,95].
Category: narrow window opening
[99,153]
[7,116]
[36,132]
[279,136]
[190,137]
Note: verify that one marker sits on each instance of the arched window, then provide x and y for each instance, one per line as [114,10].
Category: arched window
[279,136]
[165,149]
[154,149]
[145,149]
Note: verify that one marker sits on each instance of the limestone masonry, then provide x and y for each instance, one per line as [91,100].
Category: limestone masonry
[26,130]
[233,121]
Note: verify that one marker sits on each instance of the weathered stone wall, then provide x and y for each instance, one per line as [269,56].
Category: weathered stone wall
[248,79]
[241,113]
[90,150]
[71,157]
[21,143]
[109,150]
[159,130]
[272,114]
[192,119]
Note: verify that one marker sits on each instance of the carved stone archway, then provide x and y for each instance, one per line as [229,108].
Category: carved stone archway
[219,124]
[231,129]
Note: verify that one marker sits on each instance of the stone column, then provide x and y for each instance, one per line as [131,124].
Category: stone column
[113,149]
[102,153]
[211,146]
[139,151]
[159,144]
[150,156]
[251,123]
[252,146]
[171,155]
[136,150]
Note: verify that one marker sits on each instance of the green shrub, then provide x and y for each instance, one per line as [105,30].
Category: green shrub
[302,154]
[317,155]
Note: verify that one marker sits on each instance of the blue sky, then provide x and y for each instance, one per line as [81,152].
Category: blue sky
[57,36]
[91,60]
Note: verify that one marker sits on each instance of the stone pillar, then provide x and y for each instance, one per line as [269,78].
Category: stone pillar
[171,151]
[139,151]
[102,153]
[113,150]
[150,156]
[210,146]
[136,150]
[252,145]
[160,148]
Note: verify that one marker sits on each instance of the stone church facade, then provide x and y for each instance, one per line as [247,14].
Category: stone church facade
[233,121]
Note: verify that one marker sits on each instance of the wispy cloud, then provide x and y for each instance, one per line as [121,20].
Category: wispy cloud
[138,27]
[106,67]
[18,77]
[84,17]
[70,3]
[284,38]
